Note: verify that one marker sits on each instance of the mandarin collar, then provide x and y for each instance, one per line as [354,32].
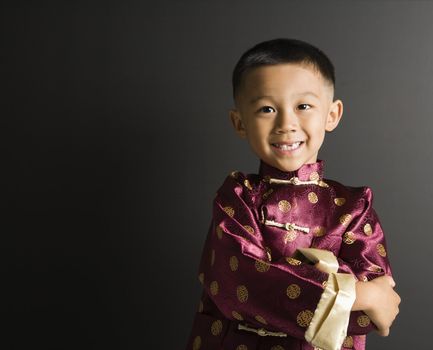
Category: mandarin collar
[312,171]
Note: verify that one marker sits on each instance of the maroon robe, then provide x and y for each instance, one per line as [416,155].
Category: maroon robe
[254,276]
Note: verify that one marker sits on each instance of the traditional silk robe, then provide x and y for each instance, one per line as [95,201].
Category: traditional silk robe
[280,262]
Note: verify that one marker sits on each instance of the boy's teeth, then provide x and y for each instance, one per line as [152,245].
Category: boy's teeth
[286,147]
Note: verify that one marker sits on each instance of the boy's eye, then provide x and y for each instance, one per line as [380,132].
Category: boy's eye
[304,106]
[266,109]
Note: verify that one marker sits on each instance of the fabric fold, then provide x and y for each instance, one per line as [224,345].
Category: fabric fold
[328,327]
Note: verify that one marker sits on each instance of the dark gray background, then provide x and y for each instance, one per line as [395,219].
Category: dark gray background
[116,136]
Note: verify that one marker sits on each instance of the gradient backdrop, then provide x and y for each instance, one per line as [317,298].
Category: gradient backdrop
[116,137]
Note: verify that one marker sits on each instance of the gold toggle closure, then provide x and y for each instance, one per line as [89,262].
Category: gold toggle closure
[261,331]
[293,181]
[289,226]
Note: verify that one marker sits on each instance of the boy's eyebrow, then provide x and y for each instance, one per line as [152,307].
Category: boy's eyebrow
[301,94]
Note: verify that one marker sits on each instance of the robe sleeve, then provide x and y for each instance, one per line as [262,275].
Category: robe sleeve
[364,254]
[247,284]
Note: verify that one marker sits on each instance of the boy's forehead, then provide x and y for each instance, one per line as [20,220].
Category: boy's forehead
[294,77]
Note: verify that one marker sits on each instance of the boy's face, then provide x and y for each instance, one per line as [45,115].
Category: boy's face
[283,111]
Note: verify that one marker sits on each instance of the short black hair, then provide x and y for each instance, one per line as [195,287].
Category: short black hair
[278,51]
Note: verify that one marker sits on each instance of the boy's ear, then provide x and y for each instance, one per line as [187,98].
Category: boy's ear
[334,115]
[238,125]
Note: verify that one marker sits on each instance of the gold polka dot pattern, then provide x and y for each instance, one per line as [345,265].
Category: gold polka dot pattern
[345,219]
[214,288]
[284,206]
[312,197]
[293,291]
[323,184]
[290,236]
[249,229]
[216,327]
[237,316]
[230,211]
[196,343]
[242,294]
[368,230]
[339,201]
[375,268]
[234,263]
[242,347]
[304,318]
[219,232]
[247,184]
[381,250]
[348,342]
[293,261]
[319,231]
[260,319]
[363,321]
[261,266]
[349,237]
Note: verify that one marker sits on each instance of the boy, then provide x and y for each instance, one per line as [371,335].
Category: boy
[292,260]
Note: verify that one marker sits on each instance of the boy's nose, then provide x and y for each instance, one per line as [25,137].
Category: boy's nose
[286,121]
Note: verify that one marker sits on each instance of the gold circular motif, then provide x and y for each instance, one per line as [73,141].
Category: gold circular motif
[284,206]
[219,232]
[312,197]
[363,321]
[277,347]
[214,288]
[339,201]
[293,291]
[381,250]
[242,347]
[304,318]
[368,230]
[196,343]
[260,319]
[349,237]
[345,219]
[234,263]
[230,211]
[267,193]
[314,176]
[216,327]
[212,257]
[237,316]
[323,184]
[201,277]
[364,279]
[261,266]
[249,229]
[319,231]
[247,184]
[290,236]
[293,261]
[348,342]
[242,293]
[200,307]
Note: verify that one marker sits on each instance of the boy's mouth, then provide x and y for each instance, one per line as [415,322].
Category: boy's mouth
[288,146]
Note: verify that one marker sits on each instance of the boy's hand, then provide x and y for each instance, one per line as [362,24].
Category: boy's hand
[379,301]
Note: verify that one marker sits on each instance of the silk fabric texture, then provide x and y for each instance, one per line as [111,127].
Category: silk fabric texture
[258,269]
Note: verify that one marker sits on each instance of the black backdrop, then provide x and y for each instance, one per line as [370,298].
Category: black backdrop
[116,136]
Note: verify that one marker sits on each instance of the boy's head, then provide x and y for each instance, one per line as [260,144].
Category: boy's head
[284,101]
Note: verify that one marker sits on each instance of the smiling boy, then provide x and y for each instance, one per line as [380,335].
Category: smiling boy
[292,260]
